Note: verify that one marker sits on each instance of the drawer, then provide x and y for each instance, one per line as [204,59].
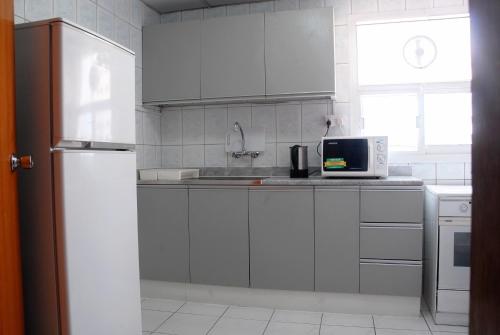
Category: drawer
[392,206]
[404,243]
[450,301]
[390,279]
[455,208]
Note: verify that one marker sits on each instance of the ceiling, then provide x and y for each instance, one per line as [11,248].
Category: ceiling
[165,6]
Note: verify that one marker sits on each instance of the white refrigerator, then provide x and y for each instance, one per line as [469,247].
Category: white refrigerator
[78,208]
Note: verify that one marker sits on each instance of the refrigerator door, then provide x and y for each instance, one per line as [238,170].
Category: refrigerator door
[93,88]
[97,243]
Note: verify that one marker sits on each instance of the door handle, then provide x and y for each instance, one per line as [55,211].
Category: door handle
[25,162]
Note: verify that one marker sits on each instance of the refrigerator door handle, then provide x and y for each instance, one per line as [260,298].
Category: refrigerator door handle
[111,146]
[88,145]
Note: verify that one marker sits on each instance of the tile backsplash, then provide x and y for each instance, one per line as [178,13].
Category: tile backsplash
[195,136]
[456,173]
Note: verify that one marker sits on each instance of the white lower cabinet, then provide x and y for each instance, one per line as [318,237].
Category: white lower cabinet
[282,238]
[218,231]
[390,279]
[391,241]
[163,233]
[292,238]
[336,213]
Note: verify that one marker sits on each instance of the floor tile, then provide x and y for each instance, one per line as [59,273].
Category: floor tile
[352,320]
[397,322]
[151,320]
[202,309]
[188,324]
[249,313]
[280,328]
[297,317]
[341,330]
[164,305]
[227,326]
[401,332]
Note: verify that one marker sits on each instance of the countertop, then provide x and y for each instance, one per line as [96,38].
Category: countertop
[286,181]
[450,190]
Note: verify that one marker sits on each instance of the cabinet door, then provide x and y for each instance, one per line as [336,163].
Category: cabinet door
[282,239]
[386,205]
[391,279]
[337,240]
[300,52]
[218,228]
[172,56]
[163,233]
[398,243]
[232,63]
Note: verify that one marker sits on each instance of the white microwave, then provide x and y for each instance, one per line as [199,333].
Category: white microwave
[354,156]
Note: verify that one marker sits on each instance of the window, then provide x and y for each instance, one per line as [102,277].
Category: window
[414,83]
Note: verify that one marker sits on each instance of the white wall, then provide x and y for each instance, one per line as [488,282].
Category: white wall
[191,136]
[119,20]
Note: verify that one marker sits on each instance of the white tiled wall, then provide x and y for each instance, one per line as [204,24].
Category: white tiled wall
[456,173]
[119,20]
[291,123]
[194,136]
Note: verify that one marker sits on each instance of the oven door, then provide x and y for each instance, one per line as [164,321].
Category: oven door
[454,254]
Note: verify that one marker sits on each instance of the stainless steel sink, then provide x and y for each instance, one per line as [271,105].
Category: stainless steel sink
[231,178]
[228,180]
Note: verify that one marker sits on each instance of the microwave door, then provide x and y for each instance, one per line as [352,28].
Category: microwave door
[346,156]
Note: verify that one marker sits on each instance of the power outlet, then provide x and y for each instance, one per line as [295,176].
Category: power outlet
[331,118]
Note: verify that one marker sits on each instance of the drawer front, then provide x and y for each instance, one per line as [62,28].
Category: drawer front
[404,243]
[461,208]
[449,301]
[390,279]
[392,205]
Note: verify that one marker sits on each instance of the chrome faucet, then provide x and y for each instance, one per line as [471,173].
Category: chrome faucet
[237,127]
[254,154]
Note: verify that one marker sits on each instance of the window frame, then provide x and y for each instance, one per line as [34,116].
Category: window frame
[423,153]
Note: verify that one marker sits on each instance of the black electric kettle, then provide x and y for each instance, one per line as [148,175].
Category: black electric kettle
[298,162]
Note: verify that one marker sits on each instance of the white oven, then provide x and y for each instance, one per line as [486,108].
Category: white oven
[454,256]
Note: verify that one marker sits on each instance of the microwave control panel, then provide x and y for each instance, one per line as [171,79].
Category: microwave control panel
[381,148]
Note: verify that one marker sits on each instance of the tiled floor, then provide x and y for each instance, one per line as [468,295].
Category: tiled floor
[161,316]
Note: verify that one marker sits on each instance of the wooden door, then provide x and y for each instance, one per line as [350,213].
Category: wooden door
[11,307]
[485,271]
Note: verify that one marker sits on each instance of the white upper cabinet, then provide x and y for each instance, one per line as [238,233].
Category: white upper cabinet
[300,52]
[240,58]
[172,58]
[232,57]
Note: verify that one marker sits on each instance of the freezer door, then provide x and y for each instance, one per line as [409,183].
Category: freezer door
[97,242]
[93,88]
